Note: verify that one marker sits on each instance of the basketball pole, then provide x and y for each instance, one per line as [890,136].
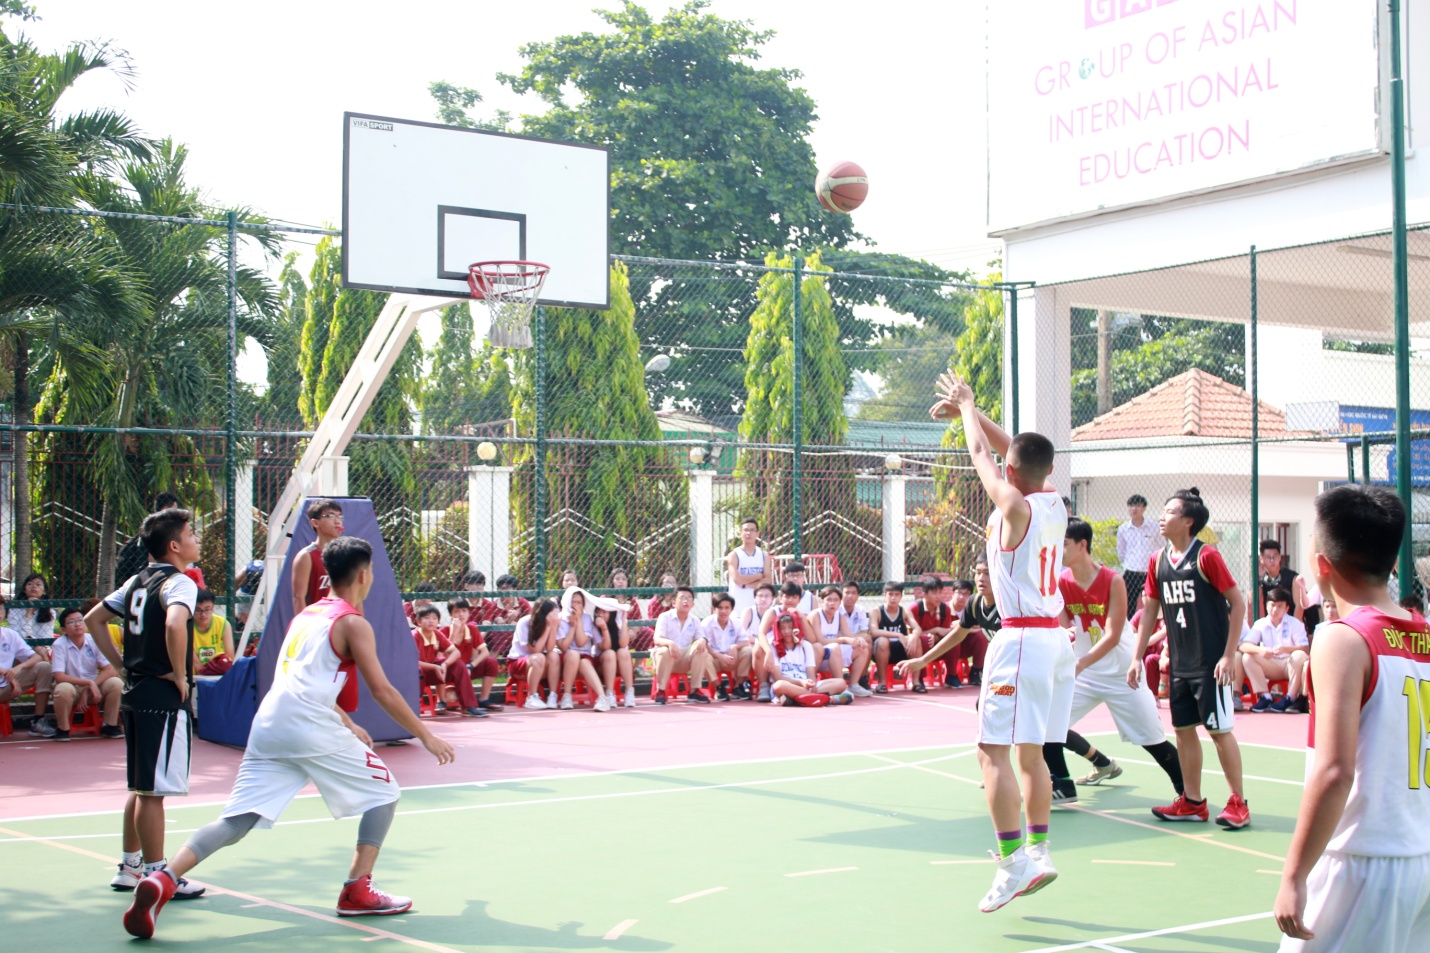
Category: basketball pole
[1400,255]
[1254,373]
[797,472]
[230,462]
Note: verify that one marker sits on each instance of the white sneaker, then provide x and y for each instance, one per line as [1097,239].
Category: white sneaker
[566,703]
[630,698]
[1017,874]
[859,691]
[128,877]
[611,698]
[1098,775]
[1043,860]
[535,703]
[551,700]
[604,703]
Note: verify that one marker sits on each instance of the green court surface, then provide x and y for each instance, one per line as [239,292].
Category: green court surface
[865,852]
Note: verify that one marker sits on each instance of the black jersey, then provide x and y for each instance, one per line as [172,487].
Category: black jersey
[1193,607]
[1285,579]
[146,650]
[978,614]
[897,624]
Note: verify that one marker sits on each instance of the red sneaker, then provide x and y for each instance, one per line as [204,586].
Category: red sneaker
[813,700]
[361,899]
[150,895]
[1236,815]
[1182,810]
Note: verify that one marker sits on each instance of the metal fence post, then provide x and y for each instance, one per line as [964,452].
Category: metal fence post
[1400,255]
[797,472]
[230,465]
[539,329]
[1254,370]
[1350,462]
[1364,460]
[1013,359]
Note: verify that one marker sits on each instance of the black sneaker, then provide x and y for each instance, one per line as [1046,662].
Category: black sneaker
[721,695]
[490,705]
[952,680]
[864,681]
[111,731]
[975,677]
[475,713]
[697,697]
[61,735]
[1302,705]
[660,698]
[745,690]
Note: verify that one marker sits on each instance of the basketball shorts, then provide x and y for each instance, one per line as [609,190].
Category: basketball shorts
[1027,691]
[157,743]
[897,652]
[1357,903]
[1201,701]
[847,655]
[1134,710]
[352,781]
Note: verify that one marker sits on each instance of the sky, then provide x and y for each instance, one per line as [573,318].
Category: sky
[257,90]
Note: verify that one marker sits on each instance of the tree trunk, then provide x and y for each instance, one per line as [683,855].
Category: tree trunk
[21,509]
[108,521]
[1104,361]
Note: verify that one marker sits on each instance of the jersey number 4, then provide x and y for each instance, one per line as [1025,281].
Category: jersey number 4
[1417,705]
[1048,571]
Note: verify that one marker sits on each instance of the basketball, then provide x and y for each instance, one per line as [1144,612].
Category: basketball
[842,187]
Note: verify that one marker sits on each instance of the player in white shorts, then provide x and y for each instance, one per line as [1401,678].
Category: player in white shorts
[1026,696]
[303,733]
[1095,608]
[1357,876]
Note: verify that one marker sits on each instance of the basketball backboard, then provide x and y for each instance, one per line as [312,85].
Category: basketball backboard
[422,201]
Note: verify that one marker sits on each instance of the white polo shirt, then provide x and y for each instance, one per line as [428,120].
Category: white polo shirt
[13,651]
[1291,631]
[858,619]
[76,661]
[1136,545]
[723,639]
[668,626]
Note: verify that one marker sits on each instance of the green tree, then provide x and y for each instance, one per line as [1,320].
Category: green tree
[470,383]
[595,388]
[454,103]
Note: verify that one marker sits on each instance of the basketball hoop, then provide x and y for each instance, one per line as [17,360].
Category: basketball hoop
[510,290]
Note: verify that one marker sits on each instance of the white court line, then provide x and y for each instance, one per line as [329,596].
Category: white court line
[1205,770]
[1188,928]
[1109,949]
[614,772]
[826,870]
[619,928]
[941,863]
[692,896]
[1274,873]
[1138,863]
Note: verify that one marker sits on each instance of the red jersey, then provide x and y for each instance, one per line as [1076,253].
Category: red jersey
[1088,608]
[928,618]
[469,641]
[434,653]
[318,583]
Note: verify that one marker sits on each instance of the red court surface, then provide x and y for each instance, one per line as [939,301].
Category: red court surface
[39,777]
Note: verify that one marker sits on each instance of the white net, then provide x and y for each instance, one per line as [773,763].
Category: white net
[510,290]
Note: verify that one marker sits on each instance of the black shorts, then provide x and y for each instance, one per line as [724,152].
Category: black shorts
[157,743]
[1200,701]
[897,652]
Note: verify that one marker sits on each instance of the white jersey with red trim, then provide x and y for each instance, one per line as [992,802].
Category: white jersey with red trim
[1025,578]
[297,718]
[1387,811]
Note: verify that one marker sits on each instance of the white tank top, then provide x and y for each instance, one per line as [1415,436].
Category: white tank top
[297,717]
[828,629]
[745,595]
[1389,803]
[1025,578]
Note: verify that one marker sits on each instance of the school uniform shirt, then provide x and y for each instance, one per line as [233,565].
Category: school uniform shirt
[1291,631]
[723,638]
[434,652]
[858,619]
[521,639]
[668,626]
[1136,545]
[468,646]
[592,648]
[76,661]
[13,651]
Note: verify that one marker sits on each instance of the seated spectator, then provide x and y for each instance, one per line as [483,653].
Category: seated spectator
[680,647]
[507,609]
[82,678]
[896,635]
[471,580]
[935,620]
[580,644]
[467,639]
[794,572]
[729,650]
[840,649]
[245,586]
[440,665]
[749,619]
[981,617]
[33,624]
[793,663]
[666,600]
[615,655]
[474,580]
[213,638]
[533,654]
[23,669]
[1276,647]
[765,637]
[631,606]
[569,580]
[419,601]
[858,626]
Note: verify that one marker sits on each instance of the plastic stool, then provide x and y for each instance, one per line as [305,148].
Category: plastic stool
[85,722]
[7,727]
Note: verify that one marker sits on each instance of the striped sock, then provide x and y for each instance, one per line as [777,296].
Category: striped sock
[1037,833]
[1009,841]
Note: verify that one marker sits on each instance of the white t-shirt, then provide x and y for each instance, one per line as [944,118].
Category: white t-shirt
[13,651]
[668,627]
[1136,545]
[723,639]
[521,639]
[858,619]
[178,590]
[1291,631]
[796,662]
[593,640]
[76,661]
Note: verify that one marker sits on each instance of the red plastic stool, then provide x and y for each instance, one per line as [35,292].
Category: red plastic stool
[427,701]
[7,727]
[85,722]
[516,691]
[677,687]
[581,693]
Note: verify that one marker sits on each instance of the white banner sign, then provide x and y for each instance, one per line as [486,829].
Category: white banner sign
[1095,104]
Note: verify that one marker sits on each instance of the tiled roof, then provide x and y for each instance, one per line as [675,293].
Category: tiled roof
[1192,404]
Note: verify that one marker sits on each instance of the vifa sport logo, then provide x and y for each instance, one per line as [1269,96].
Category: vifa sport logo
[372,124]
